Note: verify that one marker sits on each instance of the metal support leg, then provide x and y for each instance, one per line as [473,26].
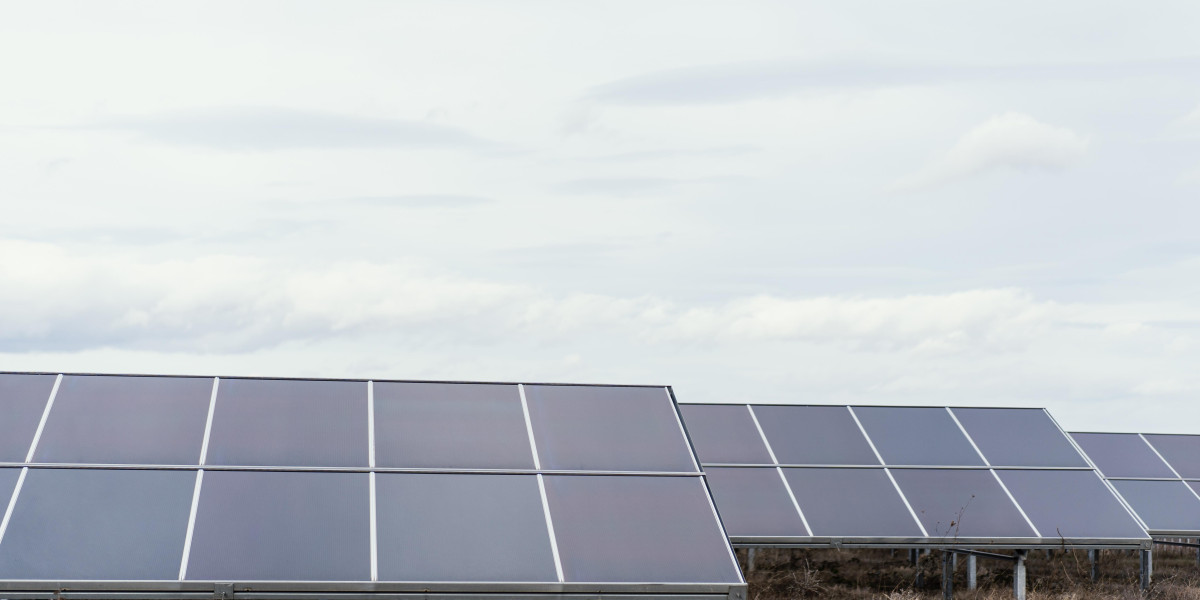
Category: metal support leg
[750,559]
[971,572]
[1147,568]
[1094,558]
[913,556]
[954,561]
[947,576]
[1019,575]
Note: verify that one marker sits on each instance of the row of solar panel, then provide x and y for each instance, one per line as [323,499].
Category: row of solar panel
[282,423]
[1149,471]
[922,473]
[133,524]
[877,435]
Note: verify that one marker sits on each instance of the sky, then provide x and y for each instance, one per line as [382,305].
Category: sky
[934,203]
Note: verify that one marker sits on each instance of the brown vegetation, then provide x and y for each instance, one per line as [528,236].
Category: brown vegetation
[883,574]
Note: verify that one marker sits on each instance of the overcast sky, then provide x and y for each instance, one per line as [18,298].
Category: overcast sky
[983,203]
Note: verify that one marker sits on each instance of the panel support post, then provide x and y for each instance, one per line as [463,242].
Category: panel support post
[1094,559]
[971,583]
[1019,575]
[1147,568]
[947,576]
[913,556]
[750,558]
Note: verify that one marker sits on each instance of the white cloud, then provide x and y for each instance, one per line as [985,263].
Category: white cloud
[1006,141]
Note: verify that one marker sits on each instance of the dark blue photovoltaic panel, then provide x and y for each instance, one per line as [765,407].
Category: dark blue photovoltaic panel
[958,503]
[450,425]
[1042,443]
[754,502]
[126,420]
[917,436]
[1071,504]
[99,524]
[453,527]
[724,433]
[22,401]
[282,526]
[637,528]
[1122,455]
[607,428]
[851,502]
[814,435]
[1162,505]
[279,422]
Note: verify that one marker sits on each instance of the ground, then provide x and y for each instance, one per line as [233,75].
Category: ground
[863,574]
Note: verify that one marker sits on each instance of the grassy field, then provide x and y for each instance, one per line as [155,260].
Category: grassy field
[862,574]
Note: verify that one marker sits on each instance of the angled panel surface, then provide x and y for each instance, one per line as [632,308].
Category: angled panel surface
[450,425]
[1019,437]
[254,525]
[1122,455]
[851,503]
[1070,504]
[441,527]
[1182,452]
[126,420]
[276,422]
[98,524]
[916,436]
[954,503]
[814,435]
[1162,505]
[607,428]
[754,502]
[638,528]
[23,398]
[723,433]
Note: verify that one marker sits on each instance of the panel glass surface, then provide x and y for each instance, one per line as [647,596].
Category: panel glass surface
[22,401]
[851,502]
[126,420]
[607,428]
[916,436]
[1122,455]
[441,527]
[638,529]
[814,435]
[1042,443]
[99,524]
[450,425]
[277,422]
[260,525]
[959,503]
[1162,505]
[724,433]
[1070,504]
[1182,452]
[754,502]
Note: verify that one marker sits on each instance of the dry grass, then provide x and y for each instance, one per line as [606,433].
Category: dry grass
[864,574]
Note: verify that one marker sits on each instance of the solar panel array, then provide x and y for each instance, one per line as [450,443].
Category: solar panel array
[1158,475]
[903,476]
[168,484]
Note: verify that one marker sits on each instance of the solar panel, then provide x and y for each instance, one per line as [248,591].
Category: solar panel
[1156,475]
[889,476]
[167,486]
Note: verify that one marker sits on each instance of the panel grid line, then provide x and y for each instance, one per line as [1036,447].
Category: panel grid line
[537,462]
[373,497]
[374,530]
[682,430]
[870,442]
[12,502]
[37,436]
[208,421]
[1159,455]
[558,569]
[795,503]
[191,526]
